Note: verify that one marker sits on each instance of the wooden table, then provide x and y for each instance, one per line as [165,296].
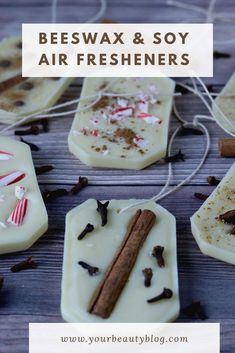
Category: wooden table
[34,295]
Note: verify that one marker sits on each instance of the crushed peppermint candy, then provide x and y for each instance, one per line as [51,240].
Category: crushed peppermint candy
[5,156]
[149,118]
[11,178]
[17,216]
[86,132]
[122,112]
[20,192]
[140,141]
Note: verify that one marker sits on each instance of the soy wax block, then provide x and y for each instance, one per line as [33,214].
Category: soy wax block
[20,96]
[98,248]
[226,103]
[126,129]
[23,216]
[213,225]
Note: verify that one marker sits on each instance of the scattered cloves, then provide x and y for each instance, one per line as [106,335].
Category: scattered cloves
[32,146]
[102,209]
[92,270]
[228,217]
[43,169]
[82,183]
[24,265]
[158,254]
[200,196]
[195,309]
[175,158]
[166,294]
[32,130]
[51,195]
[212,181]
[148,274]
[88,229]
[220,55]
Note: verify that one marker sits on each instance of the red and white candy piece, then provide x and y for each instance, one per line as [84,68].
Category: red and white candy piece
[149,118]
[11,178]
[86,132]
[121,112]
[5,156]
[17,216]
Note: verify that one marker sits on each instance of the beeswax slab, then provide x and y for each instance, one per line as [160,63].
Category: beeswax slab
[123,131]
[226,105]
[24,96]
[23,216]
[214,236]
[98,249]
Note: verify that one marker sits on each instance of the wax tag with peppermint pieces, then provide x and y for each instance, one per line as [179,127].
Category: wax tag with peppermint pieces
[23,216]
[127,120]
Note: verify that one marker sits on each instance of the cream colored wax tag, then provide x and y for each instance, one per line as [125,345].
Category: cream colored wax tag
[212,225]
[126,131]
[226,103]
[20,96]
[23,216]
[99,246]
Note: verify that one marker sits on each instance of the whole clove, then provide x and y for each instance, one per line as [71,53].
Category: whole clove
[166,294]
[88,229]
[82,183]
[148,274]
[43,169]
[220,55]
[190,131]
[92,270]
[181,89]
[103,211]
[228,217]
[200,196]
[53,194]
[24,265]
[175,158]
[1,282]
[212,181]
[195,309]
[32,130]
[45,124]
[32,146]
[158,254]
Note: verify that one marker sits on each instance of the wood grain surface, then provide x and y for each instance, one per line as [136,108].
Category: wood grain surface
[34,295]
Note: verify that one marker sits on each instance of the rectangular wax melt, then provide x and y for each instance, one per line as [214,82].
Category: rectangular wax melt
[212,233]
[99,247]
[23,216]
[126,131]
[226,105]
[20,96]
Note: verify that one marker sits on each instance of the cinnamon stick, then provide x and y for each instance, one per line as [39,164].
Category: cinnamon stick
[110,288]
[227,147]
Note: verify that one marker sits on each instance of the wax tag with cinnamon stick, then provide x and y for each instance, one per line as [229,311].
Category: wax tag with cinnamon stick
[110,288]
[108,273]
